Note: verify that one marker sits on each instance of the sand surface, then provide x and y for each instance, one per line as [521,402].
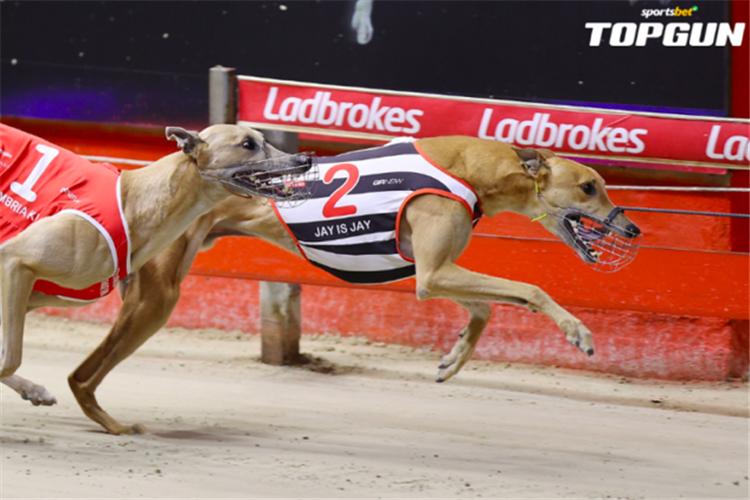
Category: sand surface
[223,425]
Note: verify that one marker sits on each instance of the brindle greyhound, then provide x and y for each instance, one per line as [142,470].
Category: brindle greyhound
[158,203]
[434,230]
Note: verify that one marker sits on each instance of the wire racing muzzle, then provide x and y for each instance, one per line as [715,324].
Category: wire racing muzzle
[287,179]
[601,243]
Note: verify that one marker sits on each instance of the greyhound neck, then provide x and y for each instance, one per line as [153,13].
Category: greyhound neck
[514,192]
[491,168]
[161,200]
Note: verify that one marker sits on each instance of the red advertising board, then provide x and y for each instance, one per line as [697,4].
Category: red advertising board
[589,133]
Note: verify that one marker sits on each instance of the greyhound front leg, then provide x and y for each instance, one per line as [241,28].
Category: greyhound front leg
[147,303]
[453,282]
[479,316]
[135,324]
[28,390]
[16,282]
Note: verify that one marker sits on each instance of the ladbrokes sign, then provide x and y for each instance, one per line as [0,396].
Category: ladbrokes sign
[323,110]
[581,132]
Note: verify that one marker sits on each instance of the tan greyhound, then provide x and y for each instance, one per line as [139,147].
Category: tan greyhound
[433,230]
[69,250]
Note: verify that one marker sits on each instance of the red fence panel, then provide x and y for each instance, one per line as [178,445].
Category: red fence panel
[588,133]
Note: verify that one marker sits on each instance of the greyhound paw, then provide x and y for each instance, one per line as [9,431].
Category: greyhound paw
[444,373]
[138,429]
[579,336]
[447,371]
[38,395]
[451,363]
[128,430]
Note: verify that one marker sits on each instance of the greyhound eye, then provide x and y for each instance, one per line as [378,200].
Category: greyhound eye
[249,144]
[589,188]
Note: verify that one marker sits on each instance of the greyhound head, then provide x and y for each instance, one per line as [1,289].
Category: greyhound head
[572,203]
[240,159]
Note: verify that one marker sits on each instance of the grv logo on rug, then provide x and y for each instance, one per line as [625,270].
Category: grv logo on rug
[672,34]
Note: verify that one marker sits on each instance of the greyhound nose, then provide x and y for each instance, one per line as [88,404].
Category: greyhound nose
[307,162]
[633,229]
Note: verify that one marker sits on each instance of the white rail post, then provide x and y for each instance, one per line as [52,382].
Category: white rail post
[280,313]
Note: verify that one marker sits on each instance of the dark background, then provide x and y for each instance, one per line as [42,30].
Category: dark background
[147,62]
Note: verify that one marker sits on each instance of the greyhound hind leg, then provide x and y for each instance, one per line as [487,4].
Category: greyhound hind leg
[65,249]
[28,390]
[16,282]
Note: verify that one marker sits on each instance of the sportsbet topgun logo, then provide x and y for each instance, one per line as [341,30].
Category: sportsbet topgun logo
[673,34]
[676,12]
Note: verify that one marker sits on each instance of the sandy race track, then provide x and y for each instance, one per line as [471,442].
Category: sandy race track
[222,425]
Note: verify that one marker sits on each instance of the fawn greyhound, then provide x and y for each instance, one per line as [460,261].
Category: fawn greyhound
[71,230]
[428,226]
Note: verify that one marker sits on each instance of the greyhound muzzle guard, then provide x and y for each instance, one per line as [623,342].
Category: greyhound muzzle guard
[285,179]
[605,246]
[602,244]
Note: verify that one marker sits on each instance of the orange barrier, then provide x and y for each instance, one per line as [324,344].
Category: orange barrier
[680,311]
[628,343]
[680,282]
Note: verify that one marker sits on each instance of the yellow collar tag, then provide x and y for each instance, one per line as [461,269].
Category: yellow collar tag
[539,195]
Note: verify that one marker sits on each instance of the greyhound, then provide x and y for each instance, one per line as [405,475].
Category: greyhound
[76,255]
[434,226]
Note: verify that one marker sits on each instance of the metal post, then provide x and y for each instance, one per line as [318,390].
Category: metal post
[280,323]
[222,95]
[280,313]
[280,304]
[285,141]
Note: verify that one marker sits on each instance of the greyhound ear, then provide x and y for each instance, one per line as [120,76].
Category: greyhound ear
[187,140]
[532,160]
[545,153]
